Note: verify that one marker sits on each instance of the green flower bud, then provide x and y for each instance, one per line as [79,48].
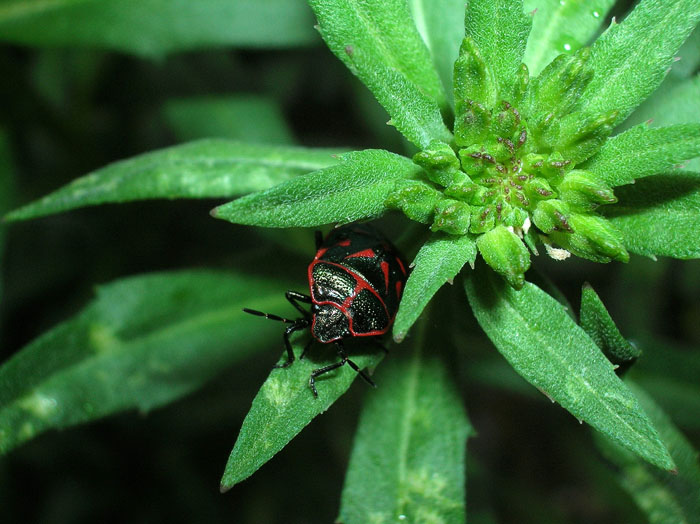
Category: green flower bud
[581,136]
[463,189]
[538,189]
[440,163]
[473,77]
[474,160]
[416,199]
[452,217]
[472,121]
[522,81]
[593,238]
[584,191]
[483,219]
[506,254]
[552,215]
[505,122]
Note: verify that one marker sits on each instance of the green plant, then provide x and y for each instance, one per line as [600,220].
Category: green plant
[514,155]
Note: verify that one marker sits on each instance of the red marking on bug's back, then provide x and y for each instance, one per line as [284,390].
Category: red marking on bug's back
[398,289]
[385,269]
[320,253]
[367,253]
[403,269]
[344,243]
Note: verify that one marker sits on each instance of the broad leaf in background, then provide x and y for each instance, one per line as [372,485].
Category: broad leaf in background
[201,169]
[670,372]
[156,27]
[629,68]
[500,30]
[438,261]
[142,343]
[250,118]
[688,56]
[285,405]
[561,27]
[379,43]
[643,151]
[599,325]
[408,459]
[665,497]
[6,191]
[354,189]
[544,345]
[659,215]
[441,25]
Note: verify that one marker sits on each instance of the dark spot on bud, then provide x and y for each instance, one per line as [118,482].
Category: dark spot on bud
[349,50]
[522,139]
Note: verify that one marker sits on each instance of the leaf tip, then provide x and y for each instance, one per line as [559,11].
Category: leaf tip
[223,488]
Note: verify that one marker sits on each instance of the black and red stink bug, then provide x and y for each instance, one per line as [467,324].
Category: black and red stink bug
[355,284]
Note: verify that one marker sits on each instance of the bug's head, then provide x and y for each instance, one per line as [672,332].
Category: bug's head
[329,323]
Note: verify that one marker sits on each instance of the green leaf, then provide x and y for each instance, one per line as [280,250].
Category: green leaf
[202,169]
[629,68]
[544,345]
[441,25]
[250,118]
[285,405]
[142,343]
[500,30]
[379,43]
[561,27]
[599,325]
[665,497]
[156,27]
[438,261]
[688,56]
[643,151]
[7,172]
[659,215]
[408,459]
[355,188]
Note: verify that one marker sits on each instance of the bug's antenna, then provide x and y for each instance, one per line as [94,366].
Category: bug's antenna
[269,315]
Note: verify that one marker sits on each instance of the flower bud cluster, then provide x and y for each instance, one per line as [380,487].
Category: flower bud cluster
[513,175]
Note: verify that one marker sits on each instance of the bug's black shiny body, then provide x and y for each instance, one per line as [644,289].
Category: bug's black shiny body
[355,282]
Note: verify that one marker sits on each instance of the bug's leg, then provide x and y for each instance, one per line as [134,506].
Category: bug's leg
[294,296]
[306,348]
[343,360]
[318,236]
[320,371]
[299,324]
[379,344]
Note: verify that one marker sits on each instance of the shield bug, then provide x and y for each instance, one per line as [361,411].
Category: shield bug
[355,284]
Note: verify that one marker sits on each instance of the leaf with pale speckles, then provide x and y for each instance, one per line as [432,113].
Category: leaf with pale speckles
[285,405]
[544,345]
[408,459]
[142,343]
[202,169]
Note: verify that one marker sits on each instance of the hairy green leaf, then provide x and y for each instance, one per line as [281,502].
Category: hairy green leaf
[599,325]
[643,151]
[561,27]
[156,27]
[285,405]
[379,43]
[355,188]
[441,25]
[665,497]
[249,118]
[544,345]
[201,169]
[688,56]
[500,30]
[659,215]
[628,68]
[142,343]
[438,261]
[408,457]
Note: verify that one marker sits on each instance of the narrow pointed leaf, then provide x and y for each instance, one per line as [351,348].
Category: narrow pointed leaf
[665,497]
[659,215]
[202,169]
[379,43]
[500,29]
[629,68]
[437,262]
[142,343]
[643,151]
[561,27]
[688,56]
[285,405]
[544,345]
[599,325]
[408,459]
[249,118]
[156,27]
[353,189]
[441,25]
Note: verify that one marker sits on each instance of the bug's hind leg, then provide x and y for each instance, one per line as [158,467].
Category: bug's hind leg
[302,323]
[343,360]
